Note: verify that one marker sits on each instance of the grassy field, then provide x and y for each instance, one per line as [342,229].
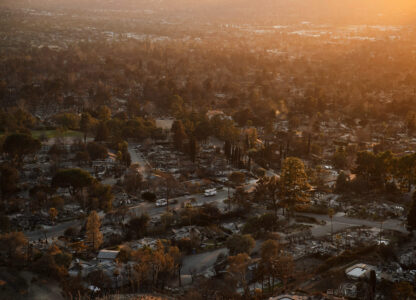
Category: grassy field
[56,133]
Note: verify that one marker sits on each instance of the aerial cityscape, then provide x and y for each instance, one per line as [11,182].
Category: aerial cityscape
[208,149]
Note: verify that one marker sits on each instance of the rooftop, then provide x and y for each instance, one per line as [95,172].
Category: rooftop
[357,272]
[107,254]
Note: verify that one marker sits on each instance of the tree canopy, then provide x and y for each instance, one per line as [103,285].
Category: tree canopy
[73,179]
[19,145]
[238,243]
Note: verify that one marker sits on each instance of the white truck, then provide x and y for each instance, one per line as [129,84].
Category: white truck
[210,192]
[161,202]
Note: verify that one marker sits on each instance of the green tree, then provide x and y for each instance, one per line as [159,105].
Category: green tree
[240,199]
[167,219]
[342,183]
[294,183]
[411,217]
[238,243]
[67,120]
[4,223]
[23,118]
[40,194]
[269,190]
[53,213]
[406,170]
[133,180]
[93,233]
[72,179]
[137,226]
[133,107]
[377,170]
[192,148]
[123,155]
[384,165]
[13,244]
[179,134]
[365,163]
[19,145]
[103,195]
[238,267]
[169,181]
[97,151]
[104,113]
[411,123]
[85,124]
[237,178]
[176,105]
[57,150]
[82,157]
[202,130]
[9,178]
[340,158]
[269,252]
[103,133]
[283,267]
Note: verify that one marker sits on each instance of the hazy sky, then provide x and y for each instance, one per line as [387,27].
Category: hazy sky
[348,11]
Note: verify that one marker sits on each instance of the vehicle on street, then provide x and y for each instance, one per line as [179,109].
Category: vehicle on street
[210,192]
[161,202]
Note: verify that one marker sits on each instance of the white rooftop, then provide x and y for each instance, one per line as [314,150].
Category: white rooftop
[107,254]
[357,272]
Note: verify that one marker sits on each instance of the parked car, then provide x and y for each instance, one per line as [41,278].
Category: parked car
[210,192]
[161,202]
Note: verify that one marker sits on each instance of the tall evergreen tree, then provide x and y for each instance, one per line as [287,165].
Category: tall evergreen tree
[192,149]
[411,217]
[179,134]
[103,133]
[94,235]
[85,124]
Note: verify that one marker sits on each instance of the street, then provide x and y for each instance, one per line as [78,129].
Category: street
[341,222]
